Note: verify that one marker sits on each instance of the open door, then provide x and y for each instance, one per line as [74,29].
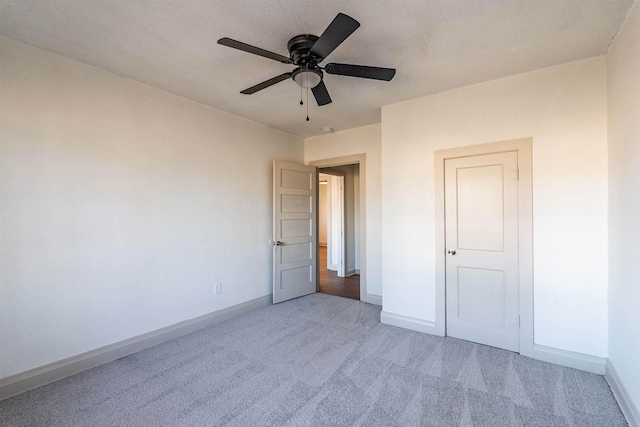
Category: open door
[336,249]
[294,230]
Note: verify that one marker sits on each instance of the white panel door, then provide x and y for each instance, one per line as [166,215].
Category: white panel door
[336,249]
[481,234]
[294,230]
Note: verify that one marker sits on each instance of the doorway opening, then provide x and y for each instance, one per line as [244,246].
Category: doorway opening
[339,231]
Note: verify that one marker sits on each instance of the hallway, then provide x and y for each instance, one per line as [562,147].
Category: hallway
[330,283]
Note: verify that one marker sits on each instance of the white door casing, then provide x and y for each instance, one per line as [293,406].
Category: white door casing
[361,161]
[294,230]
[481,211]
[523,148]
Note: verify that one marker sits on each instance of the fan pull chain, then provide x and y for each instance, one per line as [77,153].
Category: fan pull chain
[307,77]
[307,104]
[301,103]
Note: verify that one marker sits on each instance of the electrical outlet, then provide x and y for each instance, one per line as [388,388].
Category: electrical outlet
[217,288]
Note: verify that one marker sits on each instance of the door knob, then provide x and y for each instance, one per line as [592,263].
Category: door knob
[277,243]
[452,251]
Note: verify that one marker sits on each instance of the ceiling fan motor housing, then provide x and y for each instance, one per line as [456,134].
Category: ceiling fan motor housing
[299,47]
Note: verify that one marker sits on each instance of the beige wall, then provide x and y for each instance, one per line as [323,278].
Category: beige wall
[564,110]
[624,203]
[363,140]
[120,207]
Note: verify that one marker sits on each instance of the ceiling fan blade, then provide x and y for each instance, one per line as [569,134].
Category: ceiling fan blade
[322,94]
[266,84]
[377,73]
[340,28]
[225,41]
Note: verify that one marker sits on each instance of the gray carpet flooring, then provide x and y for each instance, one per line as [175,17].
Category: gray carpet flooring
[319,361]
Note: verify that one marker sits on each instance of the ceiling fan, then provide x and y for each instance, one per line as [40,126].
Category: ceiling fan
[306,51]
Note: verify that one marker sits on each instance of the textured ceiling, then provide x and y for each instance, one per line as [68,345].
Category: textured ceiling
[435,45]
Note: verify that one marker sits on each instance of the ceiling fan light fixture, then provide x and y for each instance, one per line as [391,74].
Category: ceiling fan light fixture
[307,78]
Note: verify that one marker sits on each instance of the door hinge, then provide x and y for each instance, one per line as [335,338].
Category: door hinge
[518,321]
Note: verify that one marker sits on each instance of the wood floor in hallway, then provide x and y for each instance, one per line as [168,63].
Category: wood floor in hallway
[330,283]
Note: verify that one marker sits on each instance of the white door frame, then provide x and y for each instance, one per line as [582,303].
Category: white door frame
[336,212]
[361,161]
[525,233]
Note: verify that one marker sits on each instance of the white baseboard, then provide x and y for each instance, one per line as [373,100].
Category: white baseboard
[357,271]
[570,359]
[629,409]
[373,299]
[406,322]
[19,383]
[351,273]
